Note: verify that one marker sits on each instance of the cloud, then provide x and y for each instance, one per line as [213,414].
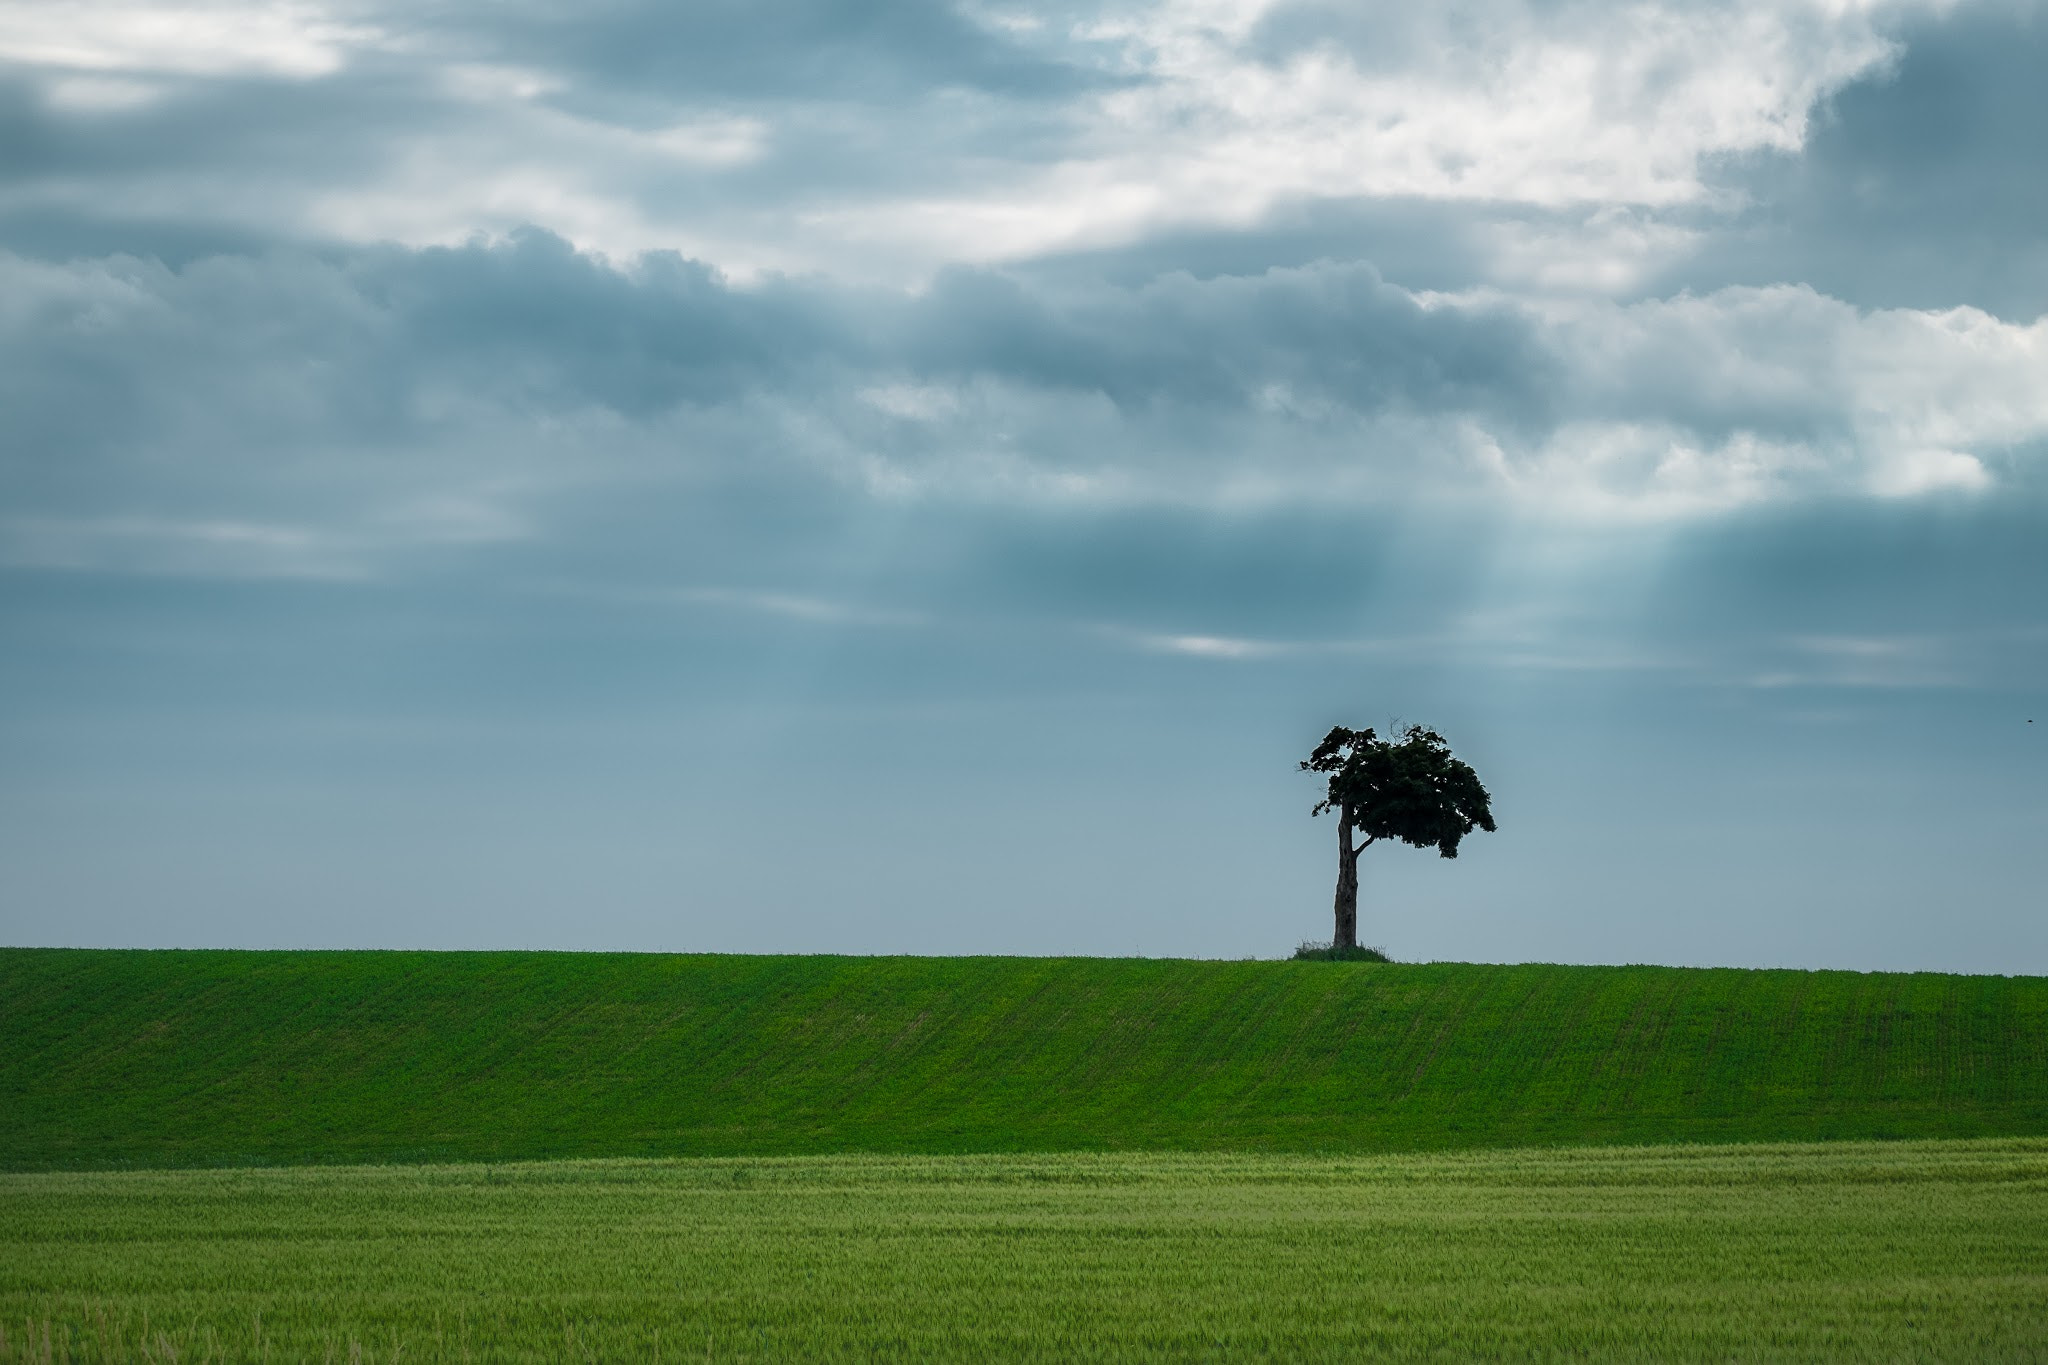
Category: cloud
[1756,393]
[207,38]
[1239,107]
[718,131]
[892,140]
[1291,291]
[391,399]
[1211,646]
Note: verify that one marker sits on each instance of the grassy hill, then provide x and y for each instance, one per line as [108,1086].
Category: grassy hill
[192,1058]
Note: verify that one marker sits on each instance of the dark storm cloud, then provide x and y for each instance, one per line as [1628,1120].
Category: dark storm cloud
[310,130]
[338,414]
[330,392]
[543,327]
[1339,332]
[1919,186]
[548,327]
[217,166]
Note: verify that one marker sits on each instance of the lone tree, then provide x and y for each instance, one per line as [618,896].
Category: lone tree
[1408,788]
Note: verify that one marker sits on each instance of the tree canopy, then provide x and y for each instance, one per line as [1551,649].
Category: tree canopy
[1408,788]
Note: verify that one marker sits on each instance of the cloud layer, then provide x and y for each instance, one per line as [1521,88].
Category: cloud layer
[259,249]
[312,413]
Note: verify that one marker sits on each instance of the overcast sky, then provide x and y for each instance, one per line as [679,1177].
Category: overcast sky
[902,476]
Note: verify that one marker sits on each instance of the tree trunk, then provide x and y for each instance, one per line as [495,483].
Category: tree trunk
[1346,935]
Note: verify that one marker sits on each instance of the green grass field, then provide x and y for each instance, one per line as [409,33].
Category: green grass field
[928,1158]
[1892,1251]
[114,1059]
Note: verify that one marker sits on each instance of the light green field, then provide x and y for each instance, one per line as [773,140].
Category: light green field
[1866,1251]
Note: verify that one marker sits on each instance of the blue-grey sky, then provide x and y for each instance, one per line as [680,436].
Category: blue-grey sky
[906,476]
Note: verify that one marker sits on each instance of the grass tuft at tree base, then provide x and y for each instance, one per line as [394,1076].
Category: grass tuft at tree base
[1313,951]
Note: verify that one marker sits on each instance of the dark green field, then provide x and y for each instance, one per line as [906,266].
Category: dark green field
[198,1058]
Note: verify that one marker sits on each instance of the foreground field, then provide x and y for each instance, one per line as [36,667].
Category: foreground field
[1924,1251]
[176,1058]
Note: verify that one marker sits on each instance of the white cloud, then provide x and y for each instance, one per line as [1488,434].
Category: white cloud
[1213,646]
[1810,395]
[529,163]
[1659,410]
[1652,471]
[1598,115]
[1957,377]
[715,140]
[191,38]
[1610,250]
[1554,107]
[912,402]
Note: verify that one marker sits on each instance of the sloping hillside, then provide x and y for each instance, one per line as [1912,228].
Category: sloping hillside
[173,1058]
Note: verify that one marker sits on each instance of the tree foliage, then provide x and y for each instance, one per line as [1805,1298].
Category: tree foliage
[1408,788]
